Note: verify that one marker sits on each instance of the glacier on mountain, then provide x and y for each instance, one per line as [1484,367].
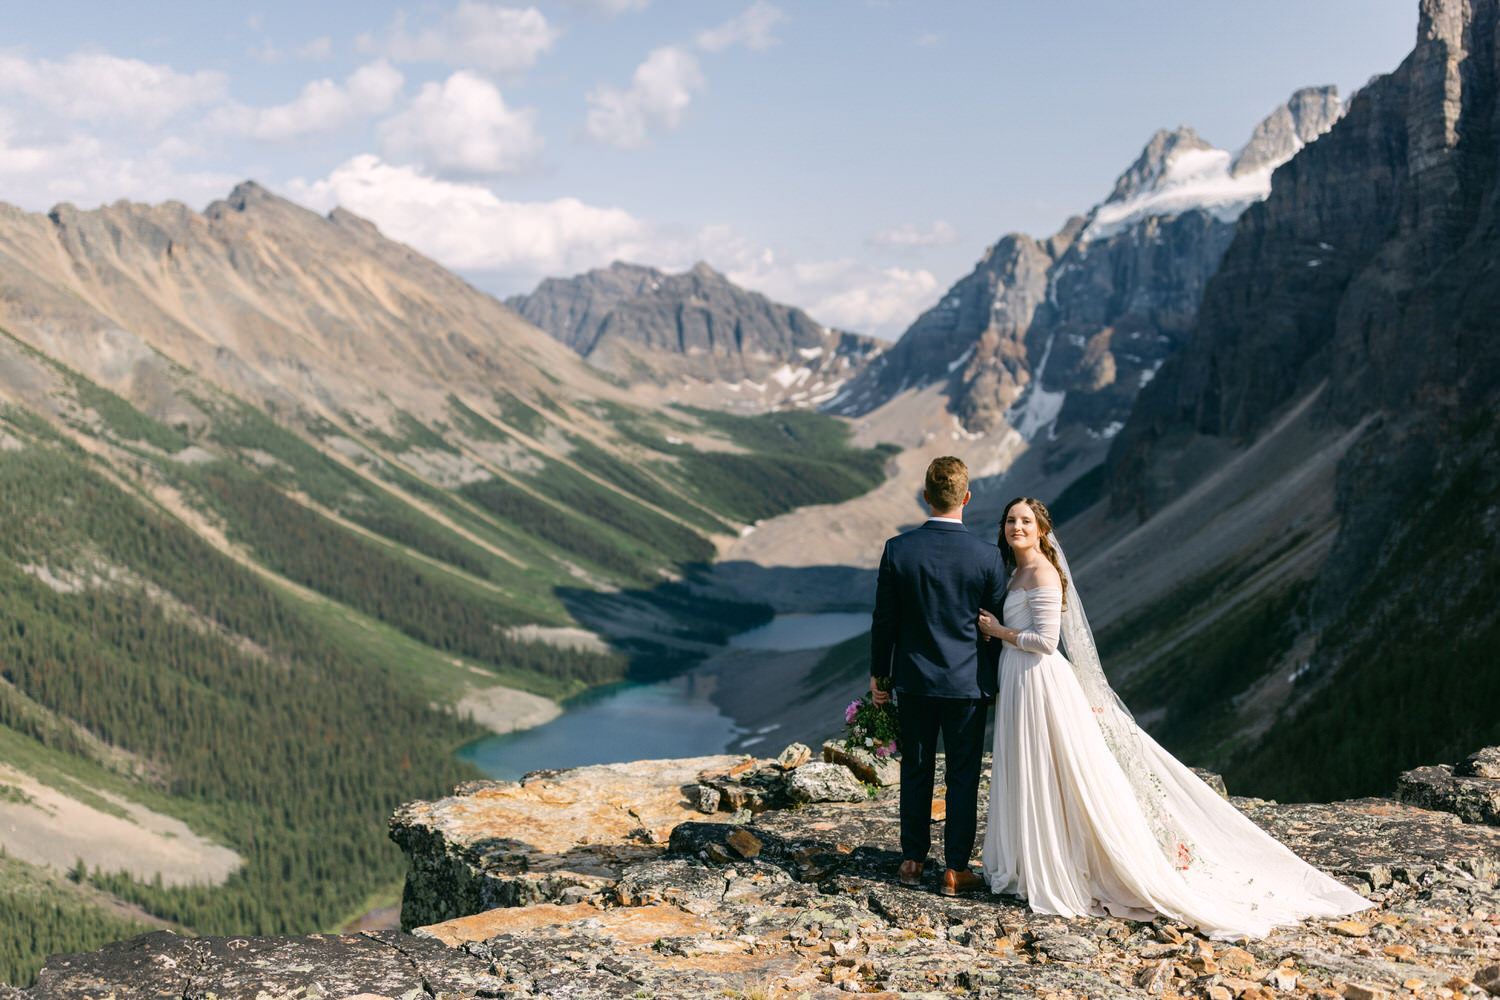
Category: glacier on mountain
[1194,178]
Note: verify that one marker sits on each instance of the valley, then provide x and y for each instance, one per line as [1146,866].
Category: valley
[298,522]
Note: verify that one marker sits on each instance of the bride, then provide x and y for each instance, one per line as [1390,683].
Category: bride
[1088,814]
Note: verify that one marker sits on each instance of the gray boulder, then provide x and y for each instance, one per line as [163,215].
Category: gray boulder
[821,781]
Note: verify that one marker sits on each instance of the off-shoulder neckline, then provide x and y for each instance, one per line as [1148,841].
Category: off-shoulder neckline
[1031,590]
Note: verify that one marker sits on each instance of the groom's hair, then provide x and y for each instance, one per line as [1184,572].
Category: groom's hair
[947,482]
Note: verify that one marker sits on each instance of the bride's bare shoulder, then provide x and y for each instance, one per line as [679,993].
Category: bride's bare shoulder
[1046,575]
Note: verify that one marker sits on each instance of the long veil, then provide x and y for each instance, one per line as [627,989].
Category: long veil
[1121,733]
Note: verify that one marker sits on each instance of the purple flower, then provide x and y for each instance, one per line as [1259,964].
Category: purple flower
[851,711]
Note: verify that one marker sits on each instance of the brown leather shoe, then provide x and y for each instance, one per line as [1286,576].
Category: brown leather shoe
[956,881]
[911,873]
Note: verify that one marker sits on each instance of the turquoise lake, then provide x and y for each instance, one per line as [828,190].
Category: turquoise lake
[671,718]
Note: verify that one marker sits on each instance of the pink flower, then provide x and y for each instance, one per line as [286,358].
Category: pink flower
[885,750]
[851,711]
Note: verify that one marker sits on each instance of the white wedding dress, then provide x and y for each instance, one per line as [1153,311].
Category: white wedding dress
[1075,835]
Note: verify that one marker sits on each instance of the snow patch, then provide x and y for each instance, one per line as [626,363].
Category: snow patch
[808,353]
[1108,431]
[786,376]
[1194,178]
[961,360]
[1147,374]
[1037,408]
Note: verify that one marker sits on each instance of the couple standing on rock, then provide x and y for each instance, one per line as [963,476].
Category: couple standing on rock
[1087,814]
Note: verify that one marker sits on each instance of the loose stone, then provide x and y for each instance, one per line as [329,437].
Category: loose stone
[746,844]
[706,799]
[795,755]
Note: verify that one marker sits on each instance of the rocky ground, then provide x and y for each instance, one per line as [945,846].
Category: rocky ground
[630,889]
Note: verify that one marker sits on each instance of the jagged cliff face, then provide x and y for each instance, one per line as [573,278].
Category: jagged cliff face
[643,325]
[1056,337]
[1340,392]
[1367,270]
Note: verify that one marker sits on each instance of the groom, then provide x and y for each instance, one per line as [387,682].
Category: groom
[924,636]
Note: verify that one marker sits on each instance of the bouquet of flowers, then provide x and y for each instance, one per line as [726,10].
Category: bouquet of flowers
[873,728]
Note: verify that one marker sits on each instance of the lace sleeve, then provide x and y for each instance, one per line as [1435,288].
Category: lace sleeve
[1046,621]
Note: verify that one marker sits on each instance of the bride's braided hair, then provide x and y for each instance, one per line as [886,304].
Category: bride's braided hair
[1044,529]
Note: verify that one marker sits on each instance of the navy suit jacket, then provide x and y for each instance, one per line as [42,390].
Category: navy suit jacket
[933,581]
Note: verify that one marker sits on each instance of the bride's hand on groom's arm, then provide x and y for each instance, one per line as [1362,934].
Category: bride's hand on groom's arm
[989,625]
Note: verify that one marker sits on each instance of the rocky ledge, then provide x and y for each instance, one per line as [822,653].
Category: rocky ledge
[626,887]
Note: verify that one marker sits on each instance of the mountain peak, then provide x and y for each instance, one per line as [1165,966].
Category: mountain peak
[643,325]
[1178,171]
[1309,113]
[1147,172]
[627,269]
[248,192]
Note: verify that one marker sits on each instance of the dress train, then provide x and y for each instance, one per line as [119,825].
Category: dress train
[1068,832]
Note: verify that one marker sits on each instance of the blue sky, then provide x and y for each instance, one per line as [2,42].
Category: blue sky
[854,157]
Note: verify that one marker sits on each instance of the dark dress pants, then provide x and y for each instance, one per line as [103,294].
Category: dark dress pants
[961,722]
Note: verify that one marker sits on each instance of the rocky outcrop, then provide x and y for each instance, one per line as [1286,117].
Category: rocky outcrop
[562,836]
[552,837]
[1310,112]
[804,902]
[974,336]
[641,324]
[1470,789]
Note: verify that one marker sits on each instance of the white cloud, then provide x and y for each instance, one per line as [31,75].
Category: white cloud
[474,35]
[37,172]
[510,246]
[467,227]
[843,293]
[103,89]
[659,94]
[930,38]
[910,236]
[751,28]
[462,126]
[323,106]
